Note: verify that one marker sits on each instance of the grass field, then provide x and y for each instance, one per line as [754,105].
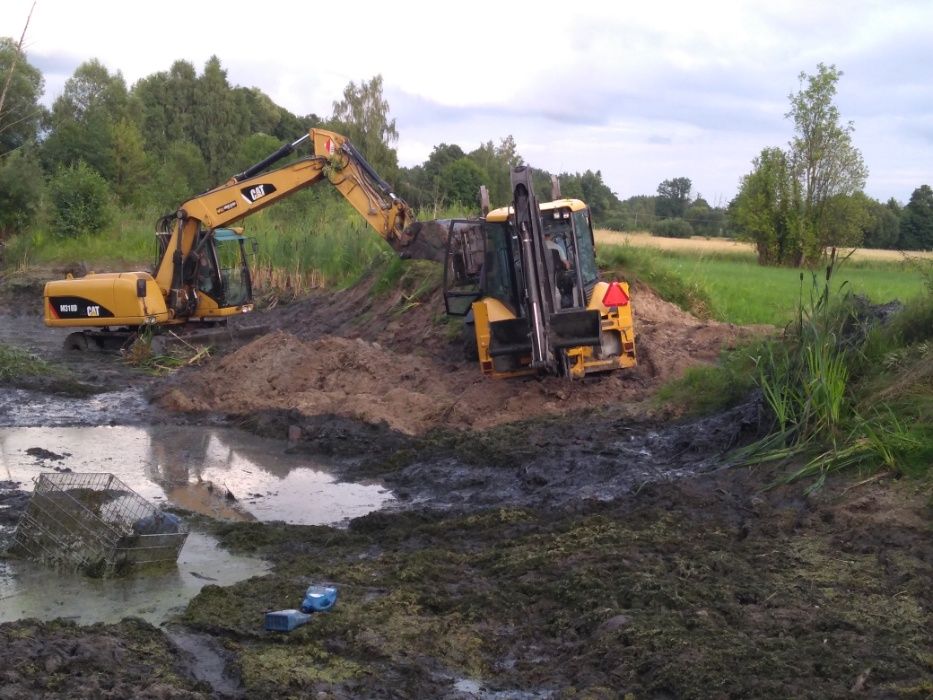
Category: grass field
[720,246]
[329,246]
[722,278]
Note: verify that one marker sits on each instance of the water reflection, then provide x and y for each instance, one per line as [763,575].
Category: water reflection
[220,472]
[28,590]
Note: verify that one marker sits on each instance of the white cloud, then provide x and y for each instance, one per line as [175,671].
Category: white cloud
[640,91]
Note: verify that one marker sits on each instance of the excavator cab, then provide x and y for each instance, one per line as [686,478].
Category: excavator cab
[230,268]
[216,273]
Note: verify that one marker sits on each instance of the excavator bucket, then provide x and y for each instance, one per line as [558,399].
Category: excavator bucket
[427,241]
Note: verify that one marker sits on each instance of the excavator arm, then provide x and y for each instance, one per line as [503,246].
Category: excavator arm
[334,159]
[189,282]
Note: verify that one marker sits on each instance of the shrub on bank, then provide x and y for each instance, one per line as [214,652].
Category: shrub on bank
[850,387]
[80,201]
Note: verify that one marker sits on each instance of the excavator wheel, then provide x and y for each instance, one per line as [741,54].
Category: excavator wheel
[76,341]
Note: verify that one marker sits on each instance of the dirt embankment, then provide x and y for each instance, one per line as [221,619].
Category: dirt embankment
[394,361]
[547,576]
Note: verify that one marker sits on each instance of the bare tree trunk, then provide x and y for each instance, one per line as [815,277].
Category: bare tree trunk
[19,50]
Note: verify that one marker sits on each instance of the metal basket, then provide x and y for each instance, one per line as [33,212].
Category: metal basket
[96,523]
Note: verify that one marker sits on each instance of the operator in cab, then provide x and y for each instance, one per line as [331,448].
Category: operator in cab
[563,283]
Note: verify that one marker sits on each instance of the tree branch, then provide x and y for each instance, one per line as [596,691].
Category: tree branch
[16,55]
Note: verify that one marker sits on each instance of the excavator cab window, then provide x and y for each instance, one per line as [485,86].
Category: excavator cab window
[232,268]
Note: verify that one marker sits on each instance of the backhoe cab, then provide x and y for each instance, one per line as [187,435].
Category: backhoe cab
[526,278]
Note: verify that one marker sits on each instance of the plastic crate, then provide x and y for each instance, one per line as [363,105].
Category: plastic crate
[95,523]
[285,620]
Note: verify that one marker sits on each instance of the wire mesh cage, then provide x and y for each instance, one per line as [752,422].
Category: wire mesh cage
[96,523]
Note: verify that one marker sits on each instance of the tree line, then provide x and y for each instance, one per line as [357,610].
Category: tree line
[179,132]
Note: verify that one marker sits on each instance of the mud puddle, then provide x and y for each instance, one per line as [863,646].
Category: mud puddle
[20,408]
[27,590]
[222,473]
[218,472]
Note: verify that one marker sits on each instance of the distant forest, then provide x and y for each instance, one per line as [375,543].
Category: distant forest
[177,132]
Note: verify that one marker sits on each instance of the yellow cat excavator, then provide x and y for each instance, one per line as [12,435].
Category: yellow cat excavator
[525,277]
[202,273]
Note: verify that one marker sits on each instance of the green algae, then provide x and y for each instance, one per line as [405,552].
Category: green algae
[669,593]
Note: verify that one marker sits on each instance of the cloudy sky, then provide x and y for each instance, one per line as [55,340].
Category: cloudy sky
[642,91]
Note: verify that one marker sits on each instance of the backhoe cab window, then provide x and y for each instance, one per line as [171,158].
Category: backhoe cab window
[584,235]
[497,280]
[557,228]
[462,277]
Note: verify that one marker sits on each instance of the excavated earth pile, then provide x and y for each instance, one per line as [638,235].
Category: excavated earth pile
[390,360]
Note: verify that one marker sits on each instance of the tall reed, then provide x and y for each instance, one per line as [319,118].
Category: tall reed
[814,384]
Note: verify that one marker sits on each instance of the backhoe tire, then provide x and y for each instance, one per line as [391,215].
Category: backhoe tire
[76,342]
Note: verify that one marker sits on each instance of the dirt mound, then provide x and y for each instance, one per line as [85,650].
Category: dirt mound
[408,316]
[669,339]
[391,360]
[21,294]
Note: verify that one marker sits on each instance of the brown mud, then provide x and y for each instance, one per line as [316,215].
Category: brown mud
[553,539]
[393,360]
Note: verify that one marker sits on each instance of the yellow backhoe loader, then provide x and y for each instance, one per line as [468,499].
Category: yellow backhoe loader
[525,277]
[202,273]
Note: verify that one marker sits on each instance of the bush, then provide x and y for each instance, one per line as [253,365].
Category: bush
[848,390]
[80,201]
[672,228]
[21,187]
[615,222]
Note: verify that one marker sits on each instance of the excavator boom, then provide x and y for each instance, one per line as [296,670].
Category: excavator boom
[191,280]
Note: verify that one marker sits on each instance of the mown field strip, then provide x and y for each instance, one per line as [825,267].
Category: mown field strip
[723,245]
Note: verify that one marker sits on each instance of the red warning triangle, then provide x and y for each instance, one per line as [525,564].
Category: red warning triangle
[615,295]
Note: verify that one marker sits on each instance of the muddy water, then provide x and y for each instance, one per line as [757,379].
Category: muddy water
[219,472]
[28,589]
[22,408]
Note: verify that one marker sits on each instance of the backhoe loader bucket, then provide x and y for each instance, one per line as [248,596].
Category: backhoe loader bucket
[567,329]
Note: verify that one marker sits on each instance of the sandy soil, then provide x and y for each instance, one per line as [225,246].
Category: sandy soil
[353,354]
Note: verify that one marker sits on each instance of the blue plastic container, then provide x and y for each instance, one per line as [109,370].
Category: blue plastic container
[319,599]
[285,620]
